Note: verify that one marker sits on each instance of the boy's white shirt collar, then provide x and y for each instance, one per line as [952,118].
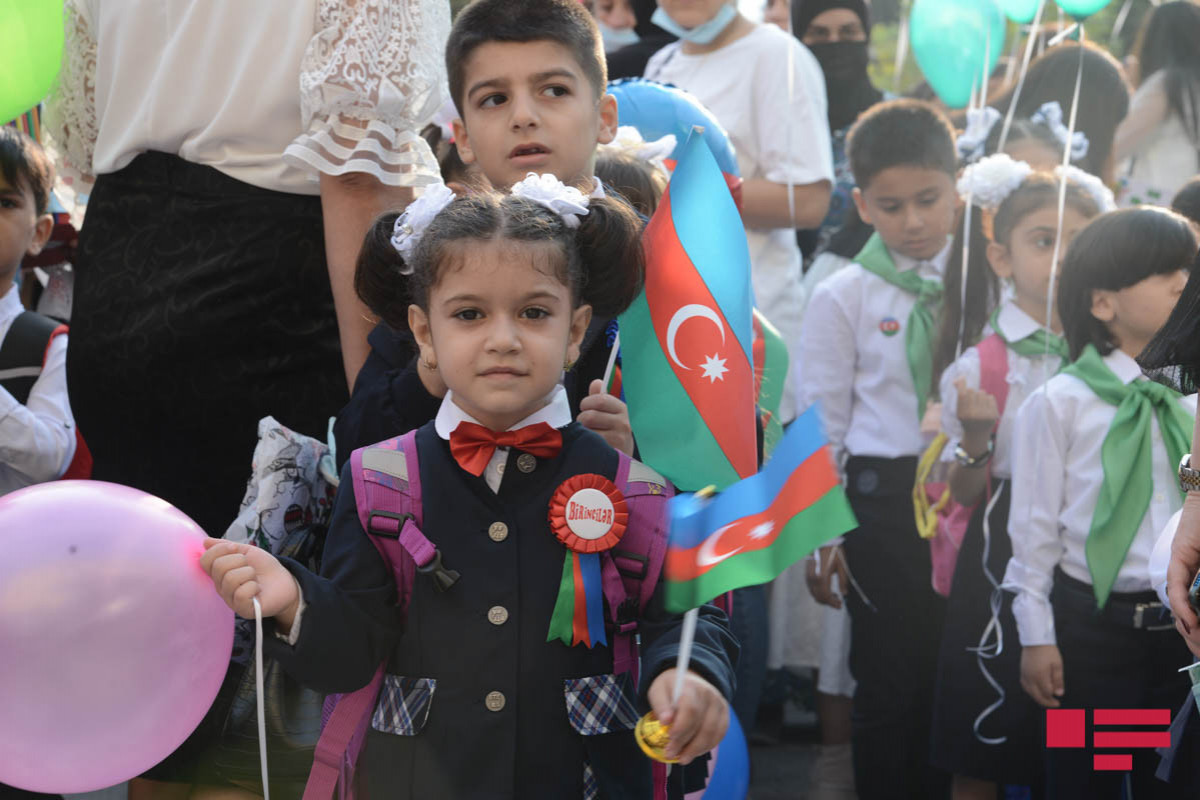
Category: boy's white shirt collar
[938,262]
[10,304]
[556,413]
[1123,366]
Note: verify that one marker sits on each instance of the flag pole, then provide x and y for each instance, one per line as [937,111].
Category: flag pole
[612,361]
[689,626]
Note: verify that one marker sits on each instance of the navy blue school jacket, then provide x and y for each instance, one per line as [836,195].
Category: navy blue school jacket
[476,703]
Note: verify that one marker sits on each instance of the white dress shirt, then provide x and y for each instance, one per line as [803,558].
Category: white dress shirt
[854,363]
[1025,374]
[780,132]
[37,440]
[1057,475]
[270,92]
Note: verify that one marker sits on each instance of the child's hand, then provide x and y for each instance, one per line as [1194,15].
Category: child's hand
[977,411]
[1042,674]
[607,416]
[931,423]
[699,720]
[820,582]
[241,572]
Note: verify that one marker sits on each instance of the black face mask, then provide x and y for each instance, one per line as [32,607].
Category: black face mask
[847,86]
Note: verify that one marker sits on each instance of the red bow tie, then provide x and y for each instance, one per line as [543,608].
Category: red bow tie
[473,445]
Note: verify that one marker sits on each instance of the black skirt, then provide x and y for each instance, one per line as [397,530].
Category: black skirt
[201,305]
[962,691]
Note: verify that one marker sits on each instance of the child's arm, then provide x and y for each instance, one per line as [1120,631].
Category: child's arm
[699,720]
[1039,456]
[977,414]
[38,439]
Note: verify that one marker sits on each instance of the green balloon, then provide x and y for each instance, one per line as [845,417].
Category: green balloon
[950,39]
[31,44]
[1082,9]
[1020,11]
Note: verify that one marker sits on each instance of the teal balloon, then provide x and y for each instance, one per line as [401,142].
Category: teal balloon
[1082,9]
[31,43]
[950,39]
[1020,11]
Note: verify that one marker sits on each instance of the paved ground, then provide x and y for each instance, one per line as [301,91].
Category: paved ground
[781,772]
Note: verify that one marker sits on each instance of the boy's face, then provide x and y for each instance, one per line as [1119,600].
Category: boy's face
[22,230]
[911,207]
[1134,314]
[528,107]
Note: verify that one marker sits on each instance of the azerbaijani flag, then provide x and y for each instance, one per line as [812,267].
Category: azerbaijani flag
[770,373]
[759,526]
[687,365]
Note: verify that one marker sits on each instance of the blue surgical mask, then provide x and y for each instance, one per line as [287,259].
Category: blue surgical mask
[701,34]
[616,38]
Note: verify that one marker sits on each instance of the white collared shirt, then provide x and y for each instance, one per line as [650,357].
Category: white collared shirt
[854,363]
[37,440]
[1057,474]
[556,413]
[1025,374]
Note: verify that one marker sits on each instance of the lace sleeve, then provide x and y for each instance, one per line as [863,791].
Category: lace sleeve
[71,107]
[372,75]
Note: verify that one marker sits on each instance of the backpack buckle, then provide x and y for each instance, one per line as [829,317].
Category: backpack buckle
[629,555]
[627,615]
[443,578]
[399,518]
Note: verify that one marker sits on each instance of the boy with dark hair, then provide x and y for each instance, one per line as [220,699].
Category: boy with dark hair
[37,429]
[528,78]
[866,358]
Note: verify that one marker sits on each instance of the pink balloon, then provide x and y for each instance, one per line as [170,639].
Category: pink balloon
[113,642]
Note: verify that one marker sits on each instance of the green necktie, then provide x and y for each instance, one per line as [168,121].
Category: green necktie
[922,320]
[1127,457]
[1036,344]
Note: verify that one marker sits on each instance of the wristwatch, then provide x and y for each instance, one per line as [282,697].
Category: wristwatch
[965,459]
[1189,479]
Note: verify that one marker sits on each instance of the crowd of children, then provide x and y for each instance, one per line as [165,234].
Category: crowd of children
[979,286]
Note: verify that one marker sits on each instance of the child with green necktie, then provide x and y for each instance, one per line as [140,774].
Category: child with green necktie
[1094,462]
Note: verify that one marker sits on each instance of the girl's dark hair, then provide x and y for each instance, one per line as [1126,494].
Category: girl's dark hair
[1019,131]
[1103,97]
[1115,251]
[1170,41]
[1173,355]
[1039,190]
[633,178]
[1187,200]
[601,260]
[450,163]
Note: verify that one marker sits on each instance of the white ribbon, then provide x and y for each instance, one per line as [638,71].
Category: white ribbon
[547,190]
[989,181]
[1051,115]
[411,225]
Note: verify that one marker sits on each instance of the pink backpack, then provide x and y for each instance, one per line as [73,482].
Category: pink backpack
[953,518]
[387,490]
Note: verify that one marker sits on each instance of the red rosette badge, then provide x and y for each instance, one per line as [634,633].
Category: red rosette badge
[588,513]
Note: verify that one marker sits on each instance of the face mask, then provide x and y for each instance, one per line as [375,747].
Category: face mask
[841,62]
[616,38]
[701,34]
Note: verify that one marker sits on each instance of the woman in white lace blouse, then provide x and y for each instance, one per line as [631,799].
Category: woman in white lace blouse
[239,150]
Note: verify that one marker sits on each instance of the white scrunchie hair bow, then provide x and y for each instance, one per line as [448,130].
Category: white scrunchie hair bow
[1100,194]
[629,140]
[411,225]
[1051,115]
[547,190]
[990,180]
[971,142]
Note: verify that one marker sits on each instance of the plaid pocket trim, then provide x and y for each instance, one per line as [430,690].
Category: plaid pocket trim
[403,705]
[600,704]
[591,786]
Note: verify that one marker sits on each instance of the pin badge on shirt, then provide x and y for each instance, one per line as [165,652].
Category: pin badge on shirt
[889,326]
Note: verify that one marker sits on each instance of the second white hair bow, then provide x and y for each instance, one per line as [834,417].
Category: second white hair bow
[566,201]
[409,227]
[1051,115]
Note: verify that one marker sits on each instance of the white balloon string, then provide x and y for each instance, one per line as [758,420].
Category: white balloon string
[986,651]
[1012,106]
[791,93]
[1119,24]
[901,47]
[258,690]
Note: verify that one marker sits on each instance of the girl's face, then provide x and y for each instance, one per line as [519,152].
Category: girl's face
[1029,255]
[500,327]
[1134,314]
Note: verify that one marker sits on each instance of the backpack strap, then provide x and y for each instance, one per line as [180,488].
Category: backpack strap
[993,369]
[23,352]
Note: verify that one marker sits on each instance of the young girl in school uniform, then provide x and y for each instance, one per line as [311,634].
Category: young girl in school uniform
[503,288]
[1019,209]
[1093,465]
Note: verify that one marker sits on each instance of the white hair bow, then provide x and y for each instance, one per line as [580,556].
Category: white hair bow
[1051,115]
[971,142]
[411,225]
[990,180]
[566,201]
[1101,194]
[629,140]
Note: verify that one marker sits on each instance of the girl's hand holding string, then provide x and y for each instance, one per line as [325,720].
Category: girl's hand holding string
[977,411]
[698,721]
[241,572]
[608,416]
[1042,674]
